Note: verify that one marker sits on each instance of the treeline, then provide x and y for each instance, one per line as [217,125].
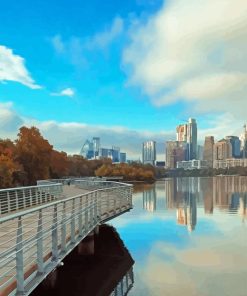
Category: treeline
[31,157]
[209,172]
[133,172]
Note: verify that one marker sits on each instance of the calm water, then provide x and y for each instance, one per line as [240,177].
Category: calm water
[188,236]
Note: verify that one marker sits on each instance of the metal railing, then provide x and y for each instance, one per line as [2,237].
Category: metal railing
[19,198]
[34,241]
[125,285]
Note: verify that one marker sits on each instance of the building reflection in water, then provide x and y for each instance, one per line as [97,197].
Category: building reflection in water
[108,270]
[224,193]
[149,199]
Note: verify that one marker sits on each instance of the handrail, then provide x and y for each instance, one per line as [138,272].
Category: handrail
[19,198]
[35,240]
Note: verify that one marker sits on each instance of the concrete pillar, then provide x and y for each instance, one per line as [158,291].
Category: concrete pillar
[86,247]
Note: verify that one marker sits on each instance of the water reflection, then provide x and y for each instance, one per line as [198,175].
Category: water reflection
[188,237]
[227,194]
[109,271]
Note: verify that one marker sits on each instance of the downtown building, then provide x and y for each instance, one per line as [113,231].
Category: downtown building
[208,153]
[175,151]
[188,133]
[149,152]
[93,150]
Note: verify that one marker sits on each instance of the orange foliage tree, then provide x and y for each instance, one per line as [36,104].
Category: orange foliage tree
[33,152]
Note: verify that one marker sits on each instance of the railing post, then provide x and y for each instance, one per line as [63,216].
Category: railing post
[19,259]
[73,222]
[63,229]
[99,205]
[96,207]
[40,254]
[54,235]
[91,209]
[86,214]
[80,217]
[8,202]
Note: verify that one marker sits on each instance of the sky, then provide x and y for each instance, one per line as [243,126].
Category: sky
[126,71]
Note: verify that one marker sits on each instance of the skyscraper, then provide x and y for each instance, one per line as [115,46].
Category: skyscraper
[208,153]
[222,150]
[192,138]
[149,152]
[175,151]
[182,132]
[235,142]
[96,146]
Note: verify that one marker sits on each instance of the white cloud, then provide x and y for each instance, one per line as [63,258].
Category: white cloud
[192,51]
[104,38]
[70,136]
[58,44]
[76,48]
[12,68]
[69,92]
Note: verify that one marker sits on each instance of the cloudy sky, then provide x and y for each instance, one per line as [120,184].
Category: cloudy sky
[127,71]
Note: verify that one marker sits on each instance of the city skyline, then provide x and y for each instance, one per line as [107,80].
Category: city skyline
[76,74]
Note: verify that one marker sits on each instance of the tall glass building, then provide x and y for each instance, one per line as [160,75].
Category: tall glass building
[192,138]
[149,152]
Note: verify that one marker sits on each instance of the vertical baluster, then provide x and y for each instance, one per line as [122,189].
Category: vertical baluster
[54,235]
[80,217]
[91,210]
[63,229]
[8,203]
[40,255]
[73,222]
[19,259]
[86,214]
[96,207]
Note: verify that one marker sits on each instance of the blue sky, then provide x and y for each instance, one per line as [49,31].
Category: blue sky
[122,69]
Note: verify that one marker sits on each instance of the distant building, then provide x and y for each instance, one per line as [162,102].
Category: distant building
[243,139]
[160,163]
[149,152]
[175,151]
[123,157]
[199,153]
[235,142]
[96,146]
[93,150]
[222,150]
[182,132]
[192,138]
[230,162]
[208,153]
[87,150]
[192,164]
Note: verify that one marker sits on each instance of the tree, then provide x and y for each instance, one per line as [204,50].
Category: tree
[59,165]
[33,152]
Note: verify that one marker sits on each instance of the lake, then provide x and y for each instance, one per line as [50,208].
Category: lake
[188,236]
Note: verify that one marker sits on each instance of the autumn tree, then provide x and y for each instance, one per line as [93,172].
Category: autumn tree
[59,165]
[33,152]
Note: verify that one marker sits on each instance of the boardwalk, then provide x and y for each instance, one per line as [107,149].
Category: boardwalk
[35,238]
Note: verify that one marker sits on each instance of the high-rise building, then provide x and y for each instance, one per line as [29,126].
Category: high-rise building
[122,157]
[182,132]
[149,152]
[192,138]
[222,150]
[243,139]
[235,142]
[199,153]
[96,146]
[175,151]
[208,153]
[93,150]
